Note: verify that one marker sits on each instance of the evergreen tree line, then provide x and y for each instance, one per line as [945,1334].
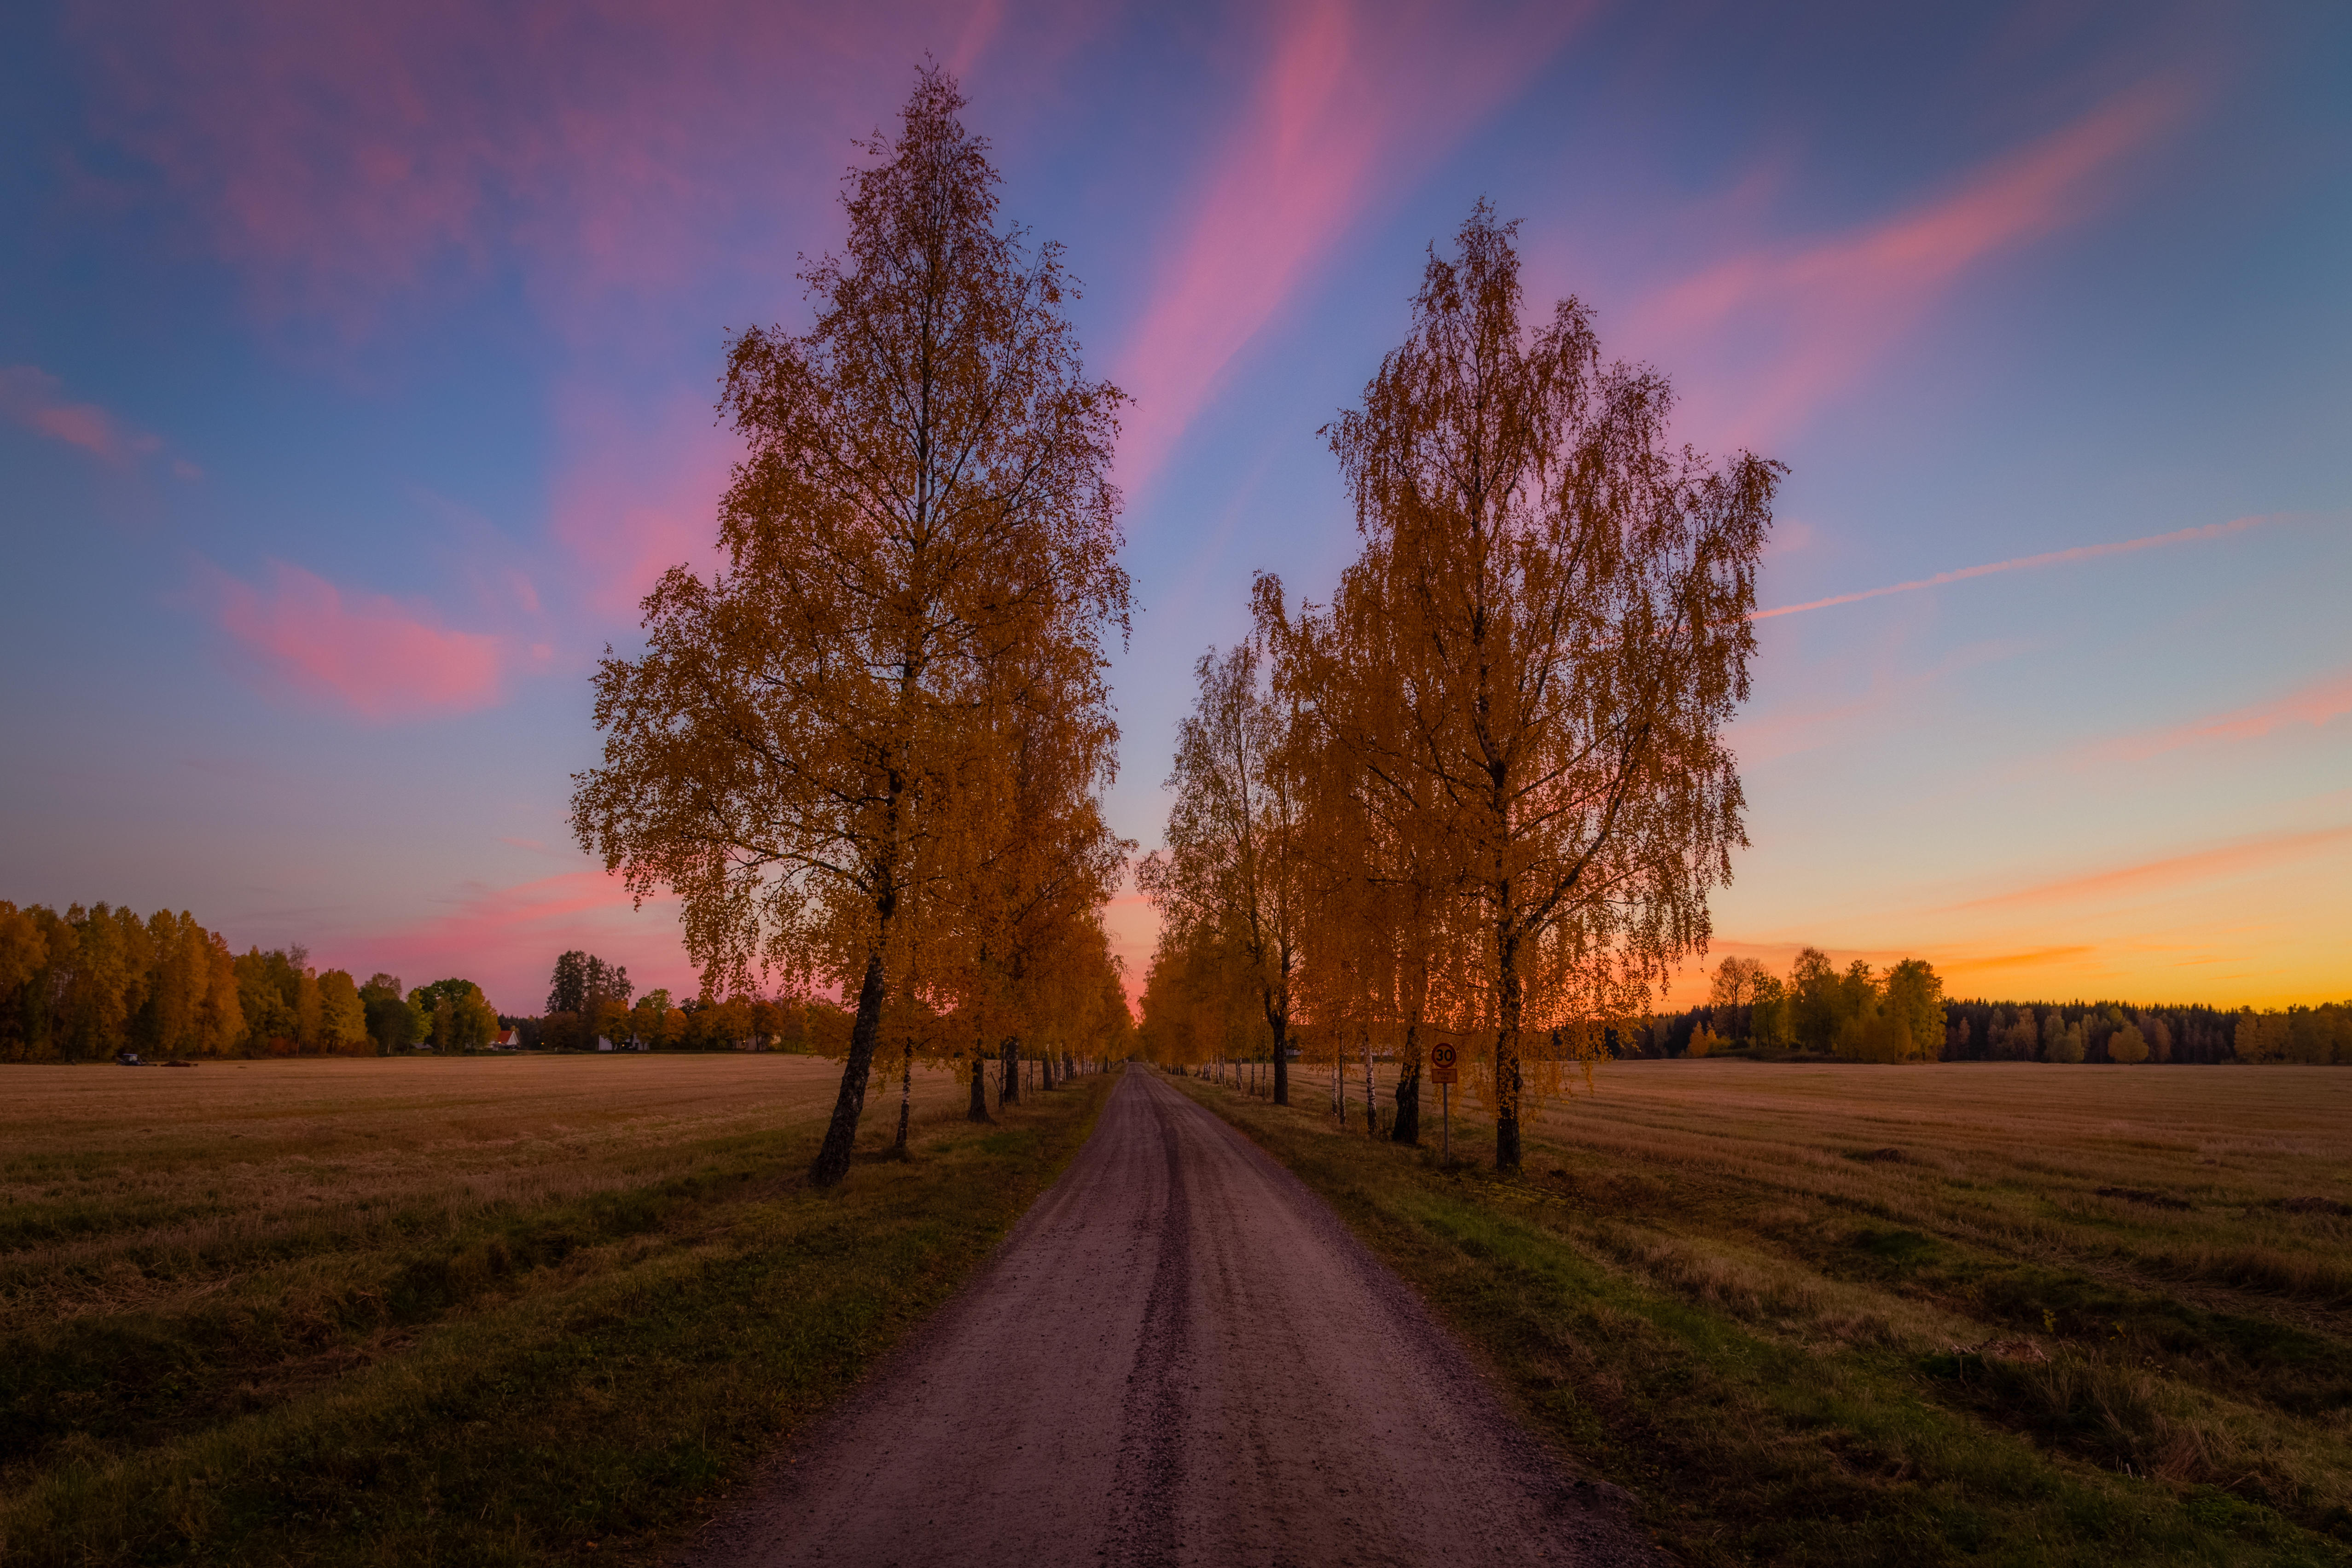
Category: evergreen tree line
[1902,1015]
[91,983]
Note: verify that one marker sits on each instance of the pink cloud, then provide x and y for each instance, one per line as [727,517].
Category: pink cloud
[2171,871]
[2027,562]
[506,939]
[1343,113]
[2317,703]
[370,654]
[347,159]
[638,491]
[34,398]
[1809,318]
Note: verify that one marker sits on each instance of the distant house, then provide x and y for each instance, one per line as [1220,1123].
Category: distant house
[507,1040]
[602,1044]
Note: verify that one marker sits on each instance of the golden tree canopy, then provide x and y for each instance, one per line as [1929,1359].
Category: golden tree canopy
[1560,604]
[925,495]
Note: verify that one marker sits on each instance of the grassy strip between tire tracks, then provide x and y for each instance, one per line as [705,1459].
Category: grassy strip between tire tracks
[1749,1438]
[573,1382]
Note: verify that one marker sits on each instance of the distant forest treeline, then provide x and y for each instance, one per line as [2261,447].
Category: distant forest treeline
[88,984]
[588,1002]
[1902,1016]
[92,981]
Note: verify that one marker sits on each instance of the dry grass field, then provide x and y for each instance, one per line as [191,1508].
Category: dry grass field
[151,1190]
[1968,1312]
[481,1309]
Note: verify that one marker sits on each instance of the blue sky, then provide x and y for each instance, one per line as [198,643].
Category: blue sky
[356,376]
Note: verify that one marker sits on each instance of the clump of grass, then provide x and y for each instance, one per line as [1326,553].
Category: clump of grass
[2145,1198]
[2267,1269]
[450,1376]
[1709,1291]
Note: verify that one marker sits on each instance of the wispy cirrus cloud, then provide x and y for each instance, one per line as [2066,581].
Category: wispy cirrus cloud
[1805,319]
[638,491]
[2028,564]
[366,653]
[1349,107]
[2171,871]
[346,159]
[36,399]
[2031,958]
[2311,705]
[643,173]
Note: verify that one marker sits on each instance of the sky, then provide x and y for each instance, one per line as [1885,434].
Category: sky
[357,372]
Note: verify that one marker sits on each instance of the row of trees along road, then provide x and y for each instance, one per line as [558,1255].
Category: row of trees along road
[1482,792]
[867,751]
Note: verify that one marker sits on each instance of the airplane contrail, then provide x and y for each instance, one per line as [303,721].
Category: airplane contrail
[2080,552]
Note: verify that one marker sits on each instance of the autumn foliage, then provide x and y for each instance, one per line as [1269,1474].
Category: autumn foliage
[863,752]
[88,984]
[1503,735]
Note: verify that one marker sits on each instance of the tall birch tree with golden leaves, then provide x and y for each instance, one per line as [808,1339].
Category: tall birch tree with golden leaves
[1041,859]
[1566,601]
[1233,864]
[1382,939]
[1199,998]
[927,487]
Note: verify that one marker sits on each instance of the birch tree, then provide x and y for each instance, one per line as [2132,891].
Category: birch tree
[1040,859]
[1232,865]
[1565,601]
[926,485]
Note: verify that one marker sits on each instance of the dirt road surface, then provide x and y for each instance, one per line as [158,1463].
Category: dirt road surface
[1179,1356]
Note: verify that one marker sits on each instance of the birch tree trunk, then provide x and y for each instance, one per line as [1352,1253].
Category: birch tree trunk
[1408,1090]
[841,1134]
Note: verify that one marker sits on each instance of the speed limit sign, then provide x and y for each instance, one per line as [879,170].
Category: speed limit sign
[1441,1055]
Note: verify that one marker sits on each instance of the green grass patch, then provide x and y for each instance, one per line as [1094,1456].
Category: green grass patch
[509,1383]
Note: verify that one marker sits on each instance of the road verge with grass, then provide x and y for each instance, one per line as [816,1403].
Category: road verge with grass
[1804,1382]
[509,1382]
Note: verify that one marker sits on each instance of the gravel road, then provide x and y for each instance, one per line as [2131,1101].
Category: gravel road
[1179,1356]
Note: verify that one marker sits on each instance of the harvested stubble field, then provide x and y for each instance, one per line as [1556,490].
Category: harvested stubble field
[481,1311]
[1844,1314]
